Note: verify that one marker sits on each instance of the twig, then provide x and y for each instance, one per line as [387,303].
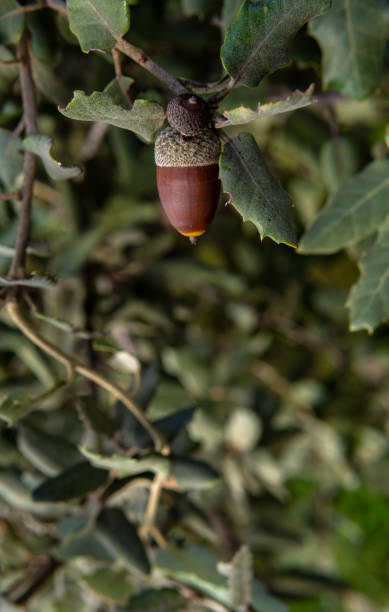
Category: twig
[30,113]
[149,527]
[72,364]
[11,195]
[118,72]
[93,140]
[138,56]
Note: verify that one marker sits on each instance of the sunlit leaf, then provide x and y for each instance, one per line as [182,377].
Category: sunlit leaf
[125,466]
[41,145]
[242,114]
[254,192]
[98,23]
[256,43]
[145,117]
[357,33]
[240,578]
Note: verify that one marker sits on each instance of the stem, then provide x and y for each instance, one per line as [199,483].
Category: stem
[11,195]
[204,88]
[138,56]
[30,113]
[74,365]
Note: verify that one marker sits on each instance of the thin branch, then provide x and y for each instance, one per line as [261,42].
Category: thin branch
[72,364]
[30,113]
[138,56]
[11,195]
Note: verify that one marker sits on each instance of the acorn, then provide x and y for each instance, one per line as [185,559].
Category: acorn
[187,155]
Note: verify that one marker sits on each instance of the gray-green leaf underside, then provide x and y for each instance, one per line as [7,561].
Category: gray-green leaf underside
[145,117]
[353,213]
[256,43]
[254,191]
[98,23]
[242,114]
[369,298]
[352,37]
[41,146]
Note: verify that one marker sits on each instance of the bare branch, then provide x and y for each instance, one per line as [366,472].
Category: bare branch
[72,364]
[30,113]
[138,56]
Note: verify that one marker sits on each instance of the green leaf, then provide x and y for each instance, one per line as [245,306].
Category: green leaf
[47,82]
[126,466]
[35,280]
[49,454]
[157,600]
[254,192]
[8,72]
[98,23]
[15,406]
[240,578]
[11,159]
[369,298]
[356,32]
[17,343]
[256,44]
[121,538]
[192,474]
[353,213]
[194,7]
[15,493]
[41,146]
[242,114]
[229,12]
[11,21]
[111,584]
[145,118]
[77,481]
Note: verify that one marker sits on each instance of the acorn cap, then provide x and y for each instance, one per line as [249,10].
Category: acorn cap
[171,149]
[188,114]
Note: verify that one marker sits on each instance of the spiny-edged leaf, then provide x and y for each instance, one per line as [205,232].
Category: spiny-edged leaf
[41,146]
[156,600]
[126,466]
[11,21]
[356,32]
[369,298]
[11,159]
[15,493]
[193,474]
[77,481]
[240,578]
[49,454]
[98,23]
[15,406]
[169,426]
[353,213]
[253,190]
[256,44]
[145,118]
[111,584]
[121,538]
[35,280]
[242,114]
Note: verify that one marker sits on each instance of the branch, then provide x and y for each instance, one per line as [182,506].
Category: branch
[74,365]
[30,113]
[138,56]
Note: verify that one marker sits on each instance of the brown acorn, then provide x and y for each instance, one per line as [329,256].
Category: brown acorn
[187,156]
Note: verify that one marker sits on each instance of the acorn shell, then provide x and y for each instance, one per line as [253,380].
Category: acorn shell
[187,179]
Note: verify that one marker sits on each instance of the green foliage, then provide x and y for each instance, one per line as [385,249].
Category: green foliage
[274,496]
[357,33]
[256,43]
[253,190]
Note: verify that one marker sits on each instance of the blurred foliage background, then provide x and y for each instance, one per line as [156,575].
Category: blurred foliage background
[249,337]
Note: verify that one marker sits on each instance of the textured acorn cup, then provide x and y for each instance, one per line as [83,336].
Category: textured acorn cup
[188,114]
[187,179]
